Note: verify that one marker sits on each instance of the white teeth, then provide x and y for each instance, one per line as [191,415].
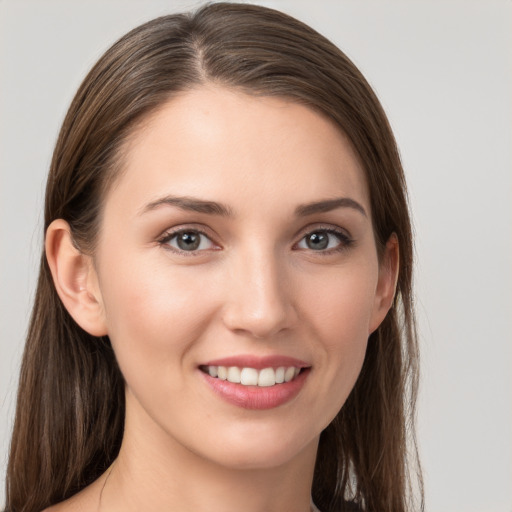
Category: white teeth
[280,375]
[234,374]
[289,374]
[251,377]
[267,377]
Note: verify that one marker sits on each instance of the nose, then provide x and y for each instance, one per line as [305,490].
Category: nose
[260,300]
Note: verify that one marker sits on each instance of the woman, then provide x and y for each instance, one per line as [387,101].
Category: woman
[224,315]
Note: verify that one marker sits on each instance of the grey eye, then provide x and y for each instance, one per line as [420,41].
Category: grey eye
[321,240]
[317,241]
[190,241]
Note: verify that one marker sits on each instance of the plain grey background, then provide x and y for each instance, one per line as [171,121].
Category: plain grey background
[443,71]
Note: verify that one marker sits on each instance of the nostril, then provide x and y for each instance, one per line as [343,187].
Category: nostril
[260,304]
[259,321]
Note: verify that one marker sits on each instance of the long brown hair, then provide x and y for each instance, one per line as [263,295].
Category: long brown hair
[70,408]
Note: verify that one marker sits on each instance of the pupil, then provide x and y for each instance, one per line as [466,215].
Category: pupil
[318,241]
[188,241]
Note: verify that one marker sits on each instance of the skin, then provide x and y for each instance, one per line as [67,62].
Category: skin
[254,286]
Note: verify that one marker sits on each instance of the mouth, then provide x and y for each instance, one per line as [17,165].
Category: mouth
[256,382]
[247,376]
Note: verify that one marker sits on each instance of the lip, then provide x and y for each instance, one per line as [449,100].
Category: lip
[256,397]
[257,362]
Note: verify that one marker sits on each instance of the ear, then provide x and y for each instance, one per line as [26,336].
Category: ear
[75,279]
[386,285]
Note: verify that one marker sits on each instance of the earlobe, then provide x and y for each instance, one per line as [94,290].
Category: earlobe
[75,279]
[387,282]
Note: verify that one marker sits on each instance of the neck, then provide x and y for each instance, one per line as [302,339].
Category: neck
[154,472]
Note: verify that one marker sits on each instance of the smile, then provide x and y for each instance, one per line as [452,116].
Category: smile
[247,376]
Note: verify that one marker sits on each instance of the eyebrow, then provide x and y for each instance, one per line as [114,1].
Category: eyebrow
[190,204]
[327,205]
[213,208]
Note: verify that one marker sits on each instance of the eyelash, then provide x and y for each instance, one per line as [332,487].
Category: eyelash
[345,240]
[169,235]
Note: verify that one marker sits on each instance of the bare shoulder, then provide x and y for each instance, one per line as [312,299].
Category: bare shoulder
[85,501]
[67,506]
[73,504]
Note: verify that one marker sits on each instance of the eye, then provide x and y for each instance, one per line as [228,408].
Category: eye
[187,240]
[325,240]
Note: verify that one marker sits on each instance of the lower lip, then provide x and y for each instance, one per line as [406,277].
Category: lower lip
[255,397]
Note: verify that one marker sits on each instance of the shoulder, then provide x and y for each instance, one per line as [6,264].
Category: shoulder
[85,501]
[71,505]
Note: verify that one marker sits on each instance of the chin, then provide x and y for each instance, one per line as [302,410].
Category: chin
[259,451]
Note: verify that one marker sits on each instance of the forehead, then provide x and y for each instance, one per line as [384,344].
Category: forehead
[239,149]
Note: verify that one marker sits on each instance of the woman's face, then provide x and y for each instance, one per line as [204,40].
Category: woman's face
[237,244]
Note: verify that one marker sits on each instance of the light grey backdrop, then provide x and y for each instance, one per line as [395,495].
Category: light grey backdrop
[443,71]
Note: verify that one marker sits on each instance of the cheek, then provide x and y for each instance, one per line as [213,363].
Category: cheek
[340,304]
[339,310]
[153,315]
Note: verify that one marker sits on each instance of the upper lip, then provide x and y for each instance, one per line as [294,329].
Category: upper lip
[258,362]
